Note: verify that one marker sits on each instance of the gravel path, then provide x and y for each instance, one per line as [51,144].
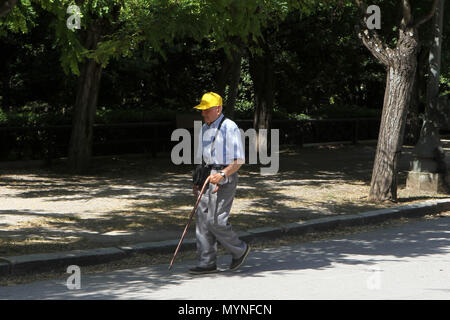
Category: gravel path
[131,198]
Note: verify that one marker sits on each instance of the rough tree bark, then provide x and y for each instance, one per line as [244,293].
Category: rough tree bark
[235,76]
[428,152]
[262,73]
[400,63]
[413,119]
[229,75]
[223,76]
[80,148]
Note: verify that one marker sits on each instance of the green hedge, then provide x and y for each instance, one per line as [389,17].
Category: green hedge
[32,118]
[37,116]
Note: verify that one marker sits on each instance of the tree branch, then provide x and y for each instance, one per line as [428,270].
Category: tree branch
[407,16]
[371,39]
[362,6]
[376,46]
[429,15]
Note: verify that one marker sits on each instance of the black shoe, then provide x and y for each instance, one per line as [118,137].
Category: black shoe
[203,270]
[236,263]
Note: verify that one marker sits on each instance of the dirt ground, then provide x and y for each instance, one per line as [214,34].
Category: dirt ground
[126,199]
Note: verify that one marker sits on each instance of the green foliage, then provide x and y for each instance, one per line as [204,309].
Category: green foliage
[20,20]
[445,85]
[152,22]
[189,34]
[319,61]
[244,107]
[33,114]
[300,116]
[3,117]
[39,114]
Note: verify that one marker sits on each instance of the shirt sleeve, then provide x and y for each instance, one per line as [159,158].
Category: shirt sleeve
[234,145]
[199,151]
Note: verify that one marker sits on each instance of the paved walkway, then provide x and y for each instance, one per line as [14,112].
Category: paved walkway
[405,262]
[59,261]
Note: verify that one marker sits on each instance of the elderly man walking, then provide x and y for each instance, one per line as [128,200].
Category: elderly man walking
[222,151]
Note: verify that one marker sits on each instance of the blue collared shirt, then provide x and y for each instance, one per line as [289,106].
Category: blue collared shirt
[227,146]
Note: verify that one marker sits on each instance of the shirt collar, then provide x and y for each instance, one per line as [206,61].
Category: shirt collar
[216,122]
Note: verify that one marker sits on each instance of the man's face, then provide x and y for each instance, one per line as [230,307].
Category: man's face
[211,114]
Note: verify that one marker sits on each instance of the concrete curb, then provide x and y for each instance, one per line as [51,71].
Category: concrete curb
[167,246]
[59,261]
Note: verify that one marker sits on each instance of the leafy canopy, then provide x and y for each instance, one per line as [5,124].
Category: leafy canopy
[152,23]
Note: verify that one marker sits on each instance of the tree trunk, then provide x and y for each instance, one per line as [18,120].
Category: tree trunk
[433,115]
[414,119]
[399,84]
[223,76]
[80,148]
[401,65]
[229,75]
[429,155]
[235,76]
[262,73]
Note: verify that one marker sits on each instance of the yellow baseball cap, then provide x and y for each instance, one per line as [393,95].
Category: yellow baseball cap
[209,100]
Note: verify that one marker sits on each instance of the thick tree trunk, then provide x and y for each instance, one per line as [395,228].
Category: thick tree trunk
[429,137]
[413,119]
[262,73]
[229,75]
[80,148]
[235,76]
[223,76]
[428,153]
[399,84]
[401,65]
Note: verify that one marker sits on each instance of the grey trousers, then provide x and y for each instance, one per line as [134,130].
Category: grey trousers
[212,223]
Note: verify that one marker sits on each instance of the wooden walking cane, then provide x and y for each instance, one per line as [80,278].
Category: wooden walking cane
[189,222]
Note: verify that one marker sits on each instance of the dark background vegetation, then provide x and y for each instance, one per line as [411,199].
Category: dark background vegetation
[322,71]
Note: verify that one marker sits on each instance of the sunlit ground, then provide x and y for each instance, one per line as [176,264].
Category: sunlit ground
[44,210]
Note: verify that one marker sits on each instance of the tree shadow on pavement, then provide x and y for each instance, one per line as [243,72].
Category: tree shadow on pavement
[417,239]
